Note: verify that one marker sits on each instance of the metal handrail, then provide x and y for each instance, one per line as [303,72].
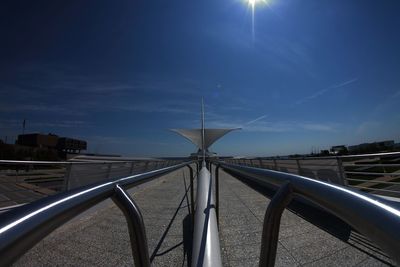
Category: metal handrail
[324,157]
[206,248]
[26,162]
[372,181]
[342,168]
[376,218]
[375,173]
[370,165]
[22,227]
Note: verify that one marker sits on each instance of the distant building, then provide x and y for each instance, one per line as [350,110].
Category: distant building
[38,140]
[338,149]
[360,147]
[66,144]
[372,147]
[52,141]
[386,144]
[324,152]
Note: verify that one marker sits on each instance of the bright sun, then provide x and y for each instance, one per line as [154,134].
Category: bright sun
[252,3]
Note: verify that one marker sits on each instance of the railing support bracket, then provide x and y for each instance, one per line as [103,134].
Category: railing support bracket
[272,220]
[191,192]
[137,232]
[217,193]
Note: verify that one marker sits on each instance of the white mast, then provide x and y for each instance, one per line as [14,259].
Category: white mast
[201,137]
[203,132]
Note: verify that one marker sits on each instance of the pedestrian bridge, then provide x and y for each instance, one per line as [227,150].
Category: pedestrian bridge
[179,212]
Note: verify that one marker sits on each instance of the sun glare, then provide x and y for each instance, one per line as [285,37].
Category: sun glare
[252,4]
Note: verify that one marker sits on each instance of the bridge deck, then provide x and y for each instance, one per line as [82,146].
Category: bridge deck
[100,237]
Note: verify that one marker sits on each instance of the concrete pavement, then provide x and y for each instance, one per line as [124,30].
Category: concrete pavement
[101,237]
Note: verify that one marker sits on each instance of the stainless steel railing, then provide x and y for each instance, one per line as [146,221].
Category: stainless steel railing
[377,173]
[375,218]
[22,182]
[24,226]
[206,248]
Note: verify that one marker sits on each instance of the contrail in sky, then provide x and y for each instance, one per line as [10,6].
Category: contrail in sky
[323,91]
[344,83]
[257,119]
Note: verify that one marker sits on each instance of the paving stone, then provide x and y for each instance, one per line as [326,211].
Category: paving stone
[300,241]
[101,237]
[344,257]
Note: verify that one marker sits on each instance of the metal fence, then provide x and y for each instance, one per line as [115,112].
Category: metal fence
[22,227]
[26,181]
[374,173]
[375,218]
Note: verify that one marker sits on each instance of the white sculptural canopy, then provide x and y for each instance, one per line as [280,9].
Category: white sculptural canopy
[210,135]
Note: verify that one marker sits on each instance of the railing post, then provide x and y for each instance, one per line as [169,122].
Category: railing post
[67,176]
[132,167]
[16,173]
[261,164]
[298,166]
[217,193]
[383,167]
[272,220]
[137,232]
[341,171]
[275,164]
[191,191]
[109,170]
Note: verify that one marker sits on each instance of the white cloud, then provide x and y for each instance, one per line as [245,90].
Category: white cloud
[113,140]
[165,106]
[276,127]
[367,126]
[39,108]
[33,125]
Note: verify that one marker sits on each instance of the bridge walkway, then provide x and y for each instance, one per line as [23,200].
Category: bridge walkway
[100,236]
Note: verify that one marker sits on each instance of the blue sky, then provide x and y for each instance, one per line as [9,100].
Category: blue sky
[120,73]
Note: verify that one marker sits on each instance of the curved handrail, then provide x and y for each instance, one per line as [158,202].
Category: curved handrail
[33,162]
[22,227]
[206,250]
[374,217]
[381,154]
